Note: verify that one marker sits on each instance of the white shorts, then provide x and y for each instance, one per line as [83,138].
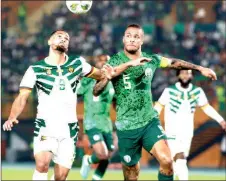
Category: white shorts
[179,145]
[63,149]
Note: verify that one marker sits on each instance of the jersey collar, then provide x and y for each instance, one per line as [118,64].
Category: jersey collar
[179,87]
[66,56]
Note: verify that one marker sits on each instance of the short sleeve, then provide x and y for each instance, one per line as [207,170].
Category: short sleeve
[202,100]
[29,79]
[163,100]
[86,67]
[156,60]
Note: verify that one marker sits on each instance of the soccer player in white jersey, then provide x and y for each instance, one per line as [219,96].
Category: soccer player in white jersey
[56,126]
[180,101]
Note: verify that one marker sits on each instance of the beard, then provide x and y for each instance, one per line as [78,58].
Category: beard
[131,51]
[60,48]
[184,84]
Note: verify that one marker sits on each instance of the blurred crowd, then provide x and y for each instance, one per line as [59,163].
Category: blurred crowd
[100,32]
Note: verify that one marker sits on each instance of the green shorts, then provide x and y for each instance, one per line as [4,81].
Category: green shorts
[130,142]
[95,135]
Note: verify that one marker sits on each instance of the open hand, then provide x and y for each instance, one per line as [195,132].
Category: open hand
[7,126]
[108,71]
[208,73]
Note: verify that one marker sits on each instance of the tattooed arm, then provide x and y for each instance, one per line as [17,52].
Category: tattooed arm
[99,86]
[180,64]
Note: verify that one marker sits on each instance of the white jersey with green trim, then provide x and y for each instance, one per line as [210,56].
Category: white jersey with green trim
[56,90]
[180,104]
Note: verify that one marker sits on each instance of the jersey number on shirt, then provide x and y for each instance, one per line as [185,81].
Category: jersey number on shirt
[126,82]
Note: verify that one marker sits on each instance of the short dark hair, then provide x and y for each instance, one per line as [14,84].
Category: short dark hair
[134,26]
[55,32]
[179,70]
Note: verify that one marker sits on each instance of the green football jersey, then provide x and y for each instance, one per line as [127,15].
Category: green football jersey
[134,106]
[96,108]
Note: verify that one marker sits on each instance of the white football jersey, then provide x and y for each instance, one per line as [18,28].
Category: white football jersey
[56,90]
[180,105]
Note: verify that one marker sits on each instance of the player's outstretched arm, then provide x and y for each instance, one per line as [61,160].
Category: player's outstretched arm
[179,64]
[17,108]
[211,112]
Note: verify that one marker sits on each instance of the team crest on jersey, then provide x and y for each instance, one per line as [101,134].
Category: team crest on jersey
[148,72]
[192,96]
[48,71]
[127,158]
[71,69]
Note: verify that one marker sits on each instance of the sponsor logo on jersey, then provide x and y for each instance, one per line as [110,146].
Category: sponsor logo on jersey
[127,158]
[96,137]
[71,69]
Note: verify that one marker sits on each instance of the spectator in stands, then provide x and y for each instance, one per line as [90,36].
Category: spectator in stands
[22,15]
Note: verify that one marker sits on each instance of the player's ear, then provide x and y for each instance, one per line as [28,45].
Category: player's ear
[123,39]
[49,41]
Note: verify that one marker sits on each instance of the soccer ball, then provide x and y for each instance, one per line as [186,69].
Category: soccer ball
[79,7]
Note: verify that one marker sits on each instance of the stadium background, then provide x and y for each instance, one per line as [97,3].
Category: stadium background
[190,30]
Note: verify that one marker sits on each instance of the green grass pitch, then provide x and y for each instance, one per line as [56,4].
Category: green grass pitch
[26,174]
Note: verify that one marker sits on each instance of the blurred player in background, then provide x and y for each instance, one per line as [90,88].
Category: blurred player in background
[56,126]
[137,122]
[180,101]
[97,124]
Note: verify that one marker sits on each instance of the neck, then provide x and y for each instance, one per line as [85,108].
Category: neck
[185,86]
[56,57]
[134,56]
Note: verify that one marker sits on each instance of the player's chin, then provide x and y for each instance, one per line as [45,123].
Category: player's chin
[131,50]
[62,49]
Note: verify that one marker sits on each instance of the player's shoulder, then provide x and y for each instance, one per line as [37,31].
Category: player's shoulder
[172,88]
[116,59]
[39,63]
[195,89]
[75,59]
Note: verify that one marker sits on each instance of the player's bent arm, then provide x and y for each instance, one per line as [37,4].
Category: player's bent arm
[17,108]
[99,87]
[95,73]
[179,64]
[211,112]
[158,107]
[121,68]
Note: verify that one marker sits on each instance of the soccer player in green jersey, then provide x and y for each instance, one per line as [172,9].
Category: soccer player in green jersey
[97,123]
[137,121]
[56,126]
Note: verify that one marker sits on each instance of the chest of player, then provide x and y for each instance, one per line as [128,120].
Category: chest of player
[183,101]
[136,78]
[60,77]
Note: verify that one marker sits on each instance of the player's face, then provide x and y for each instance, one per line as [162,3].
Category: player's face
[133,39]
[185,76]
[59,41]
[101,60]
